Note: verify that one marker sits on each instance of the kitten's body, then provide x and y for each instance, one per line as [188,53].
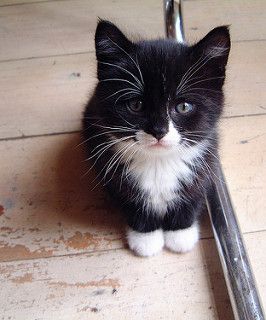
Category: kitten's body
[156,162]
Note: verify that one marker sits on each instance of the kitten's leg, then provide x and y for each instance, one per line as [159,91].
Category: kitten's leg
[144,236]
[181,231]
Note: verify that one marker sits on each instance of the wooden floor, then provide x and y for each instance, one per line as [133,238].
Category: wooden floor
[62,248]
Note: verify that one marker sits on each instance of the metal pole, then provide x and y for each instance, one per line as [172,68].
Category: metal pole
[234,259]
[173,20]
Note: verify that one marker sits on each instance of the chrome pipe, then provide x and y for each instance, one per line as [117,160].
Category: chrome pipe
[173,20]
[238,274]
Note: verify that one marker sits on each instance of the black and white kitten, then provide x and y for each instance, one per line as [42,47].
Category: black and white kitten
[150,130]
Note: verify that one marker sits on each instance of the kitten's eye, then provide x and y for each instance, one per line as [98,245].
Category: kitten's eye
[184,108]
[135,107]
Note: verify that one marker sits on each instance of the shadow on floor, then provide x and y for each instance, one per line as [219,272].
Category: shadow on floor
[81,201]
[215,276]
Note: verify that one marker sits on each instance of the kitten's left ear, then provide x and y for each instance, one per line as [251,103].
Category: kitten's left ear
[215,46]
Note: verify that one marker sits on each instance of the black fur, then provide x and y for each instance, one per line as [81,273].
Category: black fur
[163,63]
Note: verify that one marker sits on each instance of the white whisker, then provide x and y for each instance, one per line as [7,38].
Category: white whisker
[121,68]
[112,142]
[121,90]
[200,81]
[102,151]
[132,125]
[122,95]
[126,165]
[135,63]
[115,128]
[112,159]
[101,134]
[107,142]
[192,134]
[122,80]
[188,72]
[200,63]
[202,89]
[117,160]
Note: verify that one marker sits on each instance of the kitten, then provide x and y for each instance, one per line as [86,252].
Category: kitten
[150,130]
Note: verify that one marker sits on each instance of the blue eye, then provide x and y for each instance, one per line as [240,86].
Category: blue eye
[184,108]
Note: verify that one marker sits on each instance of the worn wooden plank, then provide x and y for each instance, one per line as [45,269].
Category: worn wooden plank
[246,18]
[243,156]
[21,2]
[118,285]
[246,79]
[60,27]
[47,209]
[115,284]
[47,95]
[64,27]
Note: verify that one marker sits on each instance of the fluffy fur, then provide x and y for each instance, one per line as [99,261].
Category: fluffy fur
[150,130]
[182,240]
[145,244]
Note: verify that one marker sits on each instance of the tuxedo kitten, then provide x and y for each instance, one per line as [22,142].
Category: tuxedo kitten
[150,130]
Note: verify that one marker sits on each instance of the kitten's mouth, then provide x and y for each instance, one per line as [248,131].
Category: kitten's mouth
[159,145]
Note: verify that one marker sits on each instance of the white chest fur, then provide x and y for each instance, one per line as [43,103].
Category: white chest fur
[159,179]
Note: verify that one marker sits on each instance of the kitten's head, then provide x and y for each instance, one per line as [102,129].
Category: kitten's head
[160,93]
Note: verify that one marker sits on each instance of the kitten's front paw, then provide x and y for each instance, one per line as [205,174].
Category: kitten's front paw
[145,244]
[182,240]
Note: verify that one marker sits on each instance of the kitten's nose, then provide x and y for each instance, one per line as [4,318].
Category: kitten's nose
[158,132]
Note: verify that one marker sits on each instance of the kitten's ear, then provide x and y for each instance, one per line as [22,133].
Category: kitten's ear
[110,42]
[215,46]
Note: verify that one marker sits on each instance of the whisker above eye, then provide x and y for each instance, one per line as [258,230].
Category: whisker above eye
[125,70]
[203,89]
[196,67]
[135,63]
[195,97]
[121,90]
[115,128]
[188,72]
[121,80]
[133,94]
[196,82]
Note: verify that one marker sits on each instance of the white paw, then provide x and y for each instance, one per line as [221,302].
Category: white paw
[145,244]
[182,240]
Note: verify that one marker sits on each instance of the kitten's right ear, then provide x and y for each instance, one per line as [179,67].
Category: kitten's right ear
[110,42]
